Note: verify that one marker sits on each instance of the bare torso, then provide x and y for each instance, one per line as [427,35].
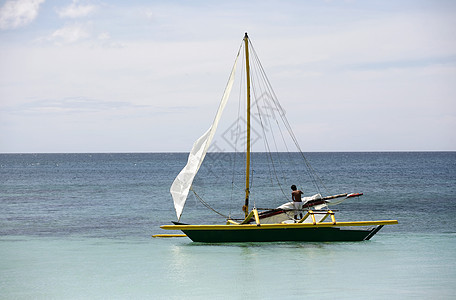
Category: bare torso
[296,196]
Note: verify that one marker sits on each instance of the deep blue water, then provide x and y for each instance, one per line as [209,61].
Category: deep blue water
[73,225]
[125,195]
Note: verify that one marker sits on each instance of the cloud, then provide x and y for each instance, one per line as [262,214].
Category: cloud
[76,10]
[18,13]
[105,41]
[70,33]
[150,15]
[71,105]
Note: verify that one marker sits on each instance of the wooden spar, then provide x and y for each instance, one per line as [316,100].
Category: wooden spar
[317,201]
[167,235]
[245,208]
[333,197]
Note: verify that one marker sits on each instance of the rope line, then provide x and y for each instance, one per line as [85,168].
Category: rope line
[316,180]
[207,205]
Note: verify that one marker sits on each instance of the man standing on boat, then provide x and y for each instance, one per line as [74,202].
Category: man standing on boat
[297,201]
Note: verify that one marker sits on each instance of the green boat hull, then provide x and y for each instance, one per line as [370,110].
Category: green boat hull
[318,234]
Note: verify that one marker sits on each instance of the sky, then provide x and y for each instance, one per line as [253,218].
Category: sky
[147,76]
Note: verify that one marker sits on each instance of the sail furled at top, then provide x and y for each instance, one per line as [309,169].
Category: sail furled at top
[183,182]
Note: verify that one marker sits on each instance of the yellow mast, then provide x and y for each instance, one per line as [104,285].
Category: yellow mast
[245,208]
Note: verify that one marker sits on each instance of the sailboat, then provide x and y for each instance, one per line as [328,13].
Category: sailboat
[316,220]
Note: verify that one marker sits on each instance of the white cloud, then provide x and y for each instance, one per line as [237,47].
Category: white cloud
[18,13]
[70,34]
[104,40]
[150,15]
[104,36]
[76,10]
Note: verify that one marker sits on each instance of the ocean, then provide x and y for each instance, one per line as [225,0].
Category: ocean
[79,226]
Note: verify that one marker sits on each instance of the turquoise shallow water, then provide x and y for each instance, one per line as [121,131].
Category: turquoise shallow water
[79,226]
[417,266]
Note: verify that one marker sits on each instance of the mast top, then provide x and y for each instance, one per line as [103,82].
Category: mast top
[246,36]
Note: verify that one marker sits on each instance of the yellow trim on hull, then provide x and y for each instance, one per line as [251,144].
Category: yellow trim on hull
[168,235]
[276,226]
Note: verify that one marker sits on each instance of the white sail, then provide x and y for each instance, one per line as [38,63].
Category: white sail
[181,185]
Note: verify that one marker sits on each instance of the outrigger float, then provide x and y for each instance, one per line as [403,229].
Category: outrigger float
[270,225]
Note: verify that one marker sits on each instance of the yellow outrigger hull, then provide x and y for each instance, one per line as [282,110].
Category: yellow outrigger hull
[276,226]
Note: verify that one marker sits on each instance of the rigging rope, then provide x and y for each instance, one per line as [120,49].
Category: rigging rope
[261,97]
[269,152]
[237,135]
[207,205]
[316,180]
